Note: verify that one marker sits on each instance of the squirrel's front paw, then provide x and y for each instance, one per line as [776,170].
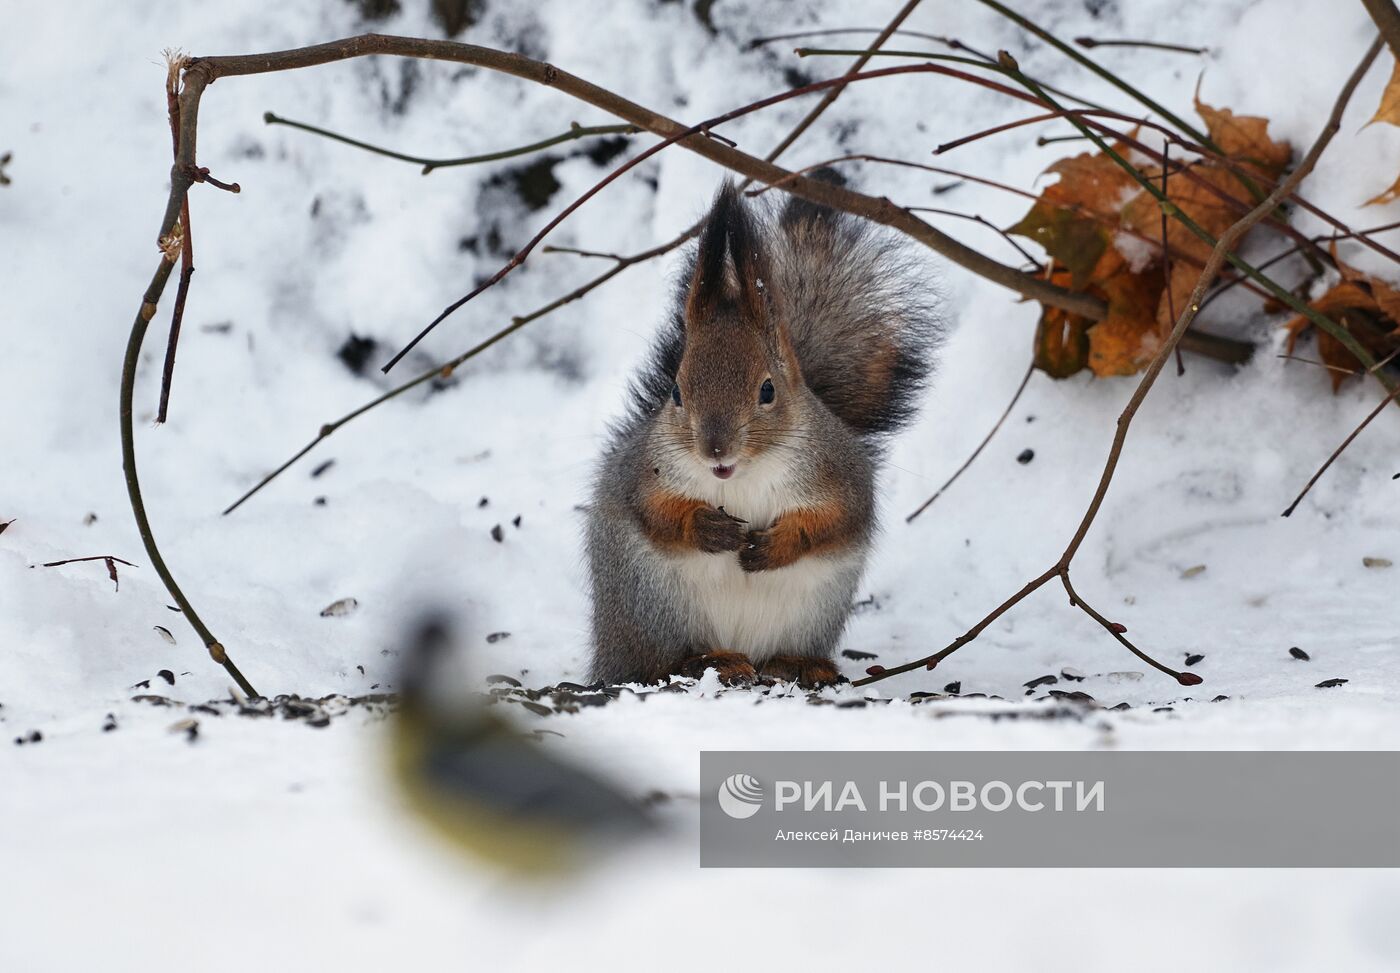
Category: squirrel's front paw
[716,531]
[758,552]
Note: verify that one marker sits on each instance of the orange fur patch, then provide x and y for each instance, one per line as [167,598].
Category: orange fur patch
[798,533]
[669,518]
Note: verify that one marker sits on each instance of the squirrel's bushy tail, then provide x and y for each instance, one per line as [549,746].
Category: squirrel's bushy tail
[860,312]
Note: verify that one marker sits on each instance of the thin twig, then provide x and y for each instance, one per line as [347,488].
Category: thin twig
[1167,257]
[550,248]
[109,560]
[952,43]
[1033,120]
[828,31]
[133,483]
[1380,407]
[175,63]
[1221,248]
[95,557]
[975,218]
[1030,369]
[575,131]
[1091,42]
[1309,361]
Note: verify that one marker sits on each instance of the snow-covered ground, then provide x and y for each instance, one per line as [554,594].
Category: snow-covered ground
[274,842]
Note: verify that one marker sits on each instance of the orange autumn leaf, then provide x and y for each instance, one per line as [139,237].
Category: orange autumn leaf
[1082,219]
[1245,139]
[1073,217]
[1128,338]
[1389,112]
[1061,342]
[1092,181]
[1389,196]
[1389,109]
[1367,307]
[1194,198]
[1120,344]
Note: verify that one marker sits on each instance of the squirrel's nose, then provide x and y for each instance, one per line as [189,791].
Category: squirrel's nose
[716,438]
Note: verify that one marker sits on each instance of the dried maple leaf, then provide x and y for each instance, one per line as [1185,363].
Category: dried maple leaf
[1367,307]
[1389,196]
[1389,109]
[1389,112]
[1194,198]
[1077,218]
[1061,338]
[1130,335]
[1245,139]
[1120,344]
[1074,217]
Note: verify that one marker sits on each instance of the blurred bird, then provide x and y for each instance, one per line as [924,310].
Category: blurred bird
[487,788]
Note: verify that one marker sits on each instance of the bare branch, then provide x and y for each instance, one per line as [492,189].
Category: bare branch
[1380,407]
[1030,369]
[576,131]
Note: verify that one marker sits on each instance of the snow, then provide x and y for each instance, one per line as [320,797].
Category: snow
[278,840]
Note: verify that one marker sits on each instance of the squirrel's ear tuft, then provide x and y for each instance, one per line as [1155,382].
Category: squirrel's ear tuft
[729,264]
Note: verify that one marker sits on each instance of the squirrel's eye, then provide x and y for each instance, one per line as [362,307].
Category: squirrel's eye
[765,392]
[676,394]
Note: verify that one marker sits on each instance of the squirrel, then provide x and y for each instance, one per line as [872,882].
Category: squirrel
[734,506]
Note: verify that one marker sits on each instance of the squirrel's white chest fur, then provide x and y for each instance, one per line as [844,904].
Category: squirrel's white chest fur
[761,613]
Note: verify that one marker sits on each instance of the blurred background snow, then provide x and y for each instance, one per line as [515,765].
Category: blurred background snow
[279,841]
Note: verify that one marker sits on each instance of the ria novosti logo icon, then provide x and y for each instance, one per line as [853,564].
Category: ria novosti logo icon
[740,796]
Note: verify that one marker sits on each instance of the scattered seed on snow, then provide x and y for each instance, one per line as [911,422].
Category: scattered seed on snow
[165,633]
[1071,674]
[1376,562]
[1193,657]
[1331,683]
[337,608]
[1192,571]
[188,727]
[1299,654]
